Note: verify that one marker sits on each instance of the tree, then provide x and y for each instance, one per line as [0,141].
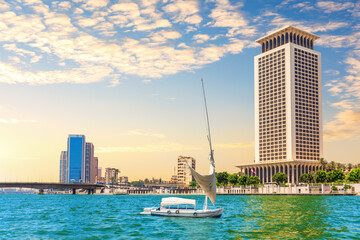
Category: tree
[353,175]
[320,176]
[222,178]
[113,180]
[349,167]
[332,165]
[146,180]
[280,178]
[243,180]
[340,166]
[306,178]
[339,175]
[253,180]
[233,179]
[193,184]
[323,163]
[335,175]
[117,171]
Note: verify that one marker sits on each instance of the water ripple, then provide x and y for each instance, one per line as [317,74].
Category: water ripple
[117,217]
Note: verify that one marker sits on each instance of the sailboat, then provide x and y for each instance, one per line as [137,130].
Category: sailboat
[182,207]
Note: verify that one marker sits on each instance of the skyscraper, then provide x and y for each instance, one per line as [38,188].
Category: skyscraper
[76,158]
[288,117]
[63,167]
[89,161]
[94,169]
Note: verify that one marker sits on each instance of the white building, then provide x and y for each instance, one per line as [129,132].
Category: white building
[288,117]
[63,167]
[184,176]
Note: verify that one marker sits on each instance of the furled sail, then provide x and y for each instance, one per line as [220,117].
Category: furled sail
[207,182]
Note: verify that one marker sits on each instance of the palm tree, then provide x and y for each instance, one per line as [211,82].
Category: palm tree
[117,171]
[349,167]
[340,166]
[323,163]
[332,165]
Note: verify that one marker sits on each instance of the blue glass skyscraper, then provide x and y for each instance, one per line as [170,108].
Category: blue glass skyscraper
[76,158]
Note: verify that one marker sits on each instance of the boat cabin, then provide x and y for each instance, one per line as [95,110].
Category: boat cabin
[178,203]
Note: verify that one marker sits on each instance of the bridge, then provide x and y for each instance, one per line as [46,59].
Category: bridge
[90,187]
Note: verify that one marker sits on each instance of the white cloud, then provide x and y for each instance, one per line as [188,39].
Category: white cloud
[228,16]
[278,21]
[346,121]
[146,81]
[94,4]
[11,75]
[201,38]
[339,41]
[330,6]
[184,11]
[62,5]
[304,6]
[332,72]
[73,39]
[4,6]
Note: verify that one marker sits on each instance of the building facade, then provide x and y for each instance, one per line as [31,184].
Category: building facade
[184,176]
[63,167]
[288,115]
[111,175]
[76,158]
[94,169]
[89,161]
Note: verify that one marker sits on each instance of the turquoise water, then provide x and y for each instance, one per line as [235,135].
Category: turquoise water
[117,217]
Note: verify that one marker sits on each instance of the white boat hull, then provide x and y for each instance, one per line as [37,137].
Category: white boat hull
[163,212]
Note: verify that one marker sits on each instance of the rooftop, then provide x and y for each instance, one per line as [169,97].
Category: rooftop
[287,29]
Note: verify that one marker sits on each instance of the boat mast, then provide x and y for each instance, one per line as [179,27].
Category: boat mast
[208,124]
[212,166]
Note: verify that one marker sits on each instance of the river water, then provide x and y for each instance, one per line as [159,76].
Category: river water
[117,217]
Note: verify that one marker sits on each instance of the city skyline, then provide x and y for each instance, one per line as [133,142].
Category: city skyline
[127,76]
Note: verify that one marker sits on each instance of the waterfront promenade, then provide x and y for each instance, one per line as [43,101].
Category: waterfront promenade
[292,189]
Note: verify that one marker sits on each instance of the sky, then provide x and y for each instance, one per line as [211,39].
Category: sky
[126,74]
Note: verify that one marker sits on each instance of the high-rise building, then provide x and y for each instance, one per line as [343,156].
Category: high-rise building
[184,176]
[94,169]
[63,167]
[288,117]
[76,158]
[89,160]
[99,173]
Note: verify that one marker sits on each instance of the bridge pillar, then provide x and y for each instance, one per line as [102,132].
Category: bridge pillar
[73,191]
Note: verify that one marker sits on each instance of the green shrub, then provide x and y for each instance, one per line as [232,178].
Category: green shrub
[334,188]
